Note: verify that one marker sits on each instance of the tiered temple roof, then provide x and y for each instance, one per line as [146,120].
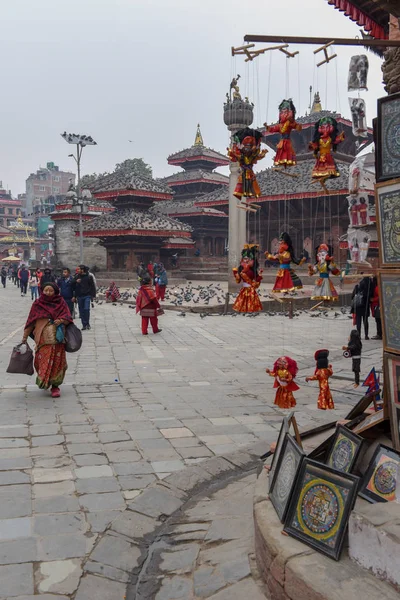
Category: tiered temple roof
[372,15]
[198,156]
[195,176]
[129,221]
[125,183]
[187,208]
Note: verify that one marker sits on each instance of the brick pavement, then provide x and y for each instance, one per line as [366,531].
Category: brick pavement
[133,410]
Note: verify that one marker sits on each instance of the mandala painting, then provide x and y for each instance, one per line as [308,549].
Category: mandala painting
[380,480]
[320,507]
[390,309]
[388,138]
[344,450]
[388,213]
[285,475]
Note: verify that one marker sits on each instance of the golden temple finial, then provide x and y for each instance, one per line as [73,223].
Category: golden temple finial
[199,138]
[317,106]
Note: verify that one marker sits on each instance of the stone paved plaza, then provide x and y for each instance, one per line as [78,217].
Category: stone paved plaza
[133,411]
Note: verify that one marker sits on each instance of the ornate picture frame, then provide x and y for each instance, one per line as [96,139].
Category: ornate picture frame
[370,421]
[387,202]
[281,437]
[389,288]
[387,146]
[380,479]
[391,364]
[285,475]
[344,450]
[320,506]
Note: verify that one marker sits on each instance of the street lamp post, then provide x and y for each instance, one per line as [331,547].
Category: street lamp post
[79,141]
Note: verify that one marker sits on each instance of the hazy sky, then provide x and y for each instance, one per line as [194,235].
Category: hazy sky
[148,71]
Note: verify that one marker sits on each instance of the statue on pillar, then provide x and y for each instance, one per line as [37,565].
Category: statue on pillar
[245,151]
[285,154]
[249,275]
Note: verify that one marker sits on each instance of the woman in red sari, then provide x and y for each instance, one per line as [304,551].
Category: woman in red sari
[46,322]
[148,305]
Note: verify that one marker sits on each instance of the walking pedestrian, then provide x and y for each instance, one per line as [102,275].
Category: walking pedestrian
[46,321]
[361,298]
[161,282]
[66,283]
[84,292]
[3,274]
[148,305]
[376,309]
[34,285]
[47,277]
[141,270]
[15,276]
[23,276]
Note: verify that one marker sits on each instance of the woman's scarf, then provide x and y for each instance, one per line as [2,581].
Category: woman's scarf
[145,296]
[49,307]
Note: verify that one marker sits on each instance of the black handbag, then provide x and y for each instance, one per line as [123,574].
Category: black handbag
[21,363]
[73,338]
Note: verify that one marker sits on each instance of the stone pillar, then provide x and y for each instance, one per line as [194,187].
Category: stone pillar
[237,228]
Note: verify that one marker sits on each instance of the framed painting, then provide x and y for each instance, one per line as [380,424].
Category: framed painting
[380,479]
[285,475]
[370,421]
[392,394]
[320,507]
[388,138]
[345,449]
[389,284]
[362,405]
[387,202]
[283,431]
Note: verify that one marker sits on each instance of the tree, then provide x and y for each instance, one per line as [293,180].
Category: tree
[88,180]
[136,166]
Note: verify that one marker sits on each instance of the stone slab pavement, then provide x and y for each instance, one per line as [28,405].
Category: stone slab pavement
[133,411]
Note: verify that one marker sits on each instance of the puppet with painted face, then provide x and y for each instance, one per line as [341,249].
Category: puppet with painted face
[324,266]
[285,154]
[246,151]
[325,141]
[284,370]
[323,370]
[286,279]
[249,276]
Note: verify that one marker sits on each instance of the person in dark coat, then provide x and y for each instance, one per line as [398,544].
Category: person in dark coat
[66,283]
[361,298]
[84,293]
[47,277]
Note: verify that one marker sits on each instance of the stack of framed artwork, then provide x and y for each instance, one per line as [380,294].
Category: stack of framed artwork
[387,200]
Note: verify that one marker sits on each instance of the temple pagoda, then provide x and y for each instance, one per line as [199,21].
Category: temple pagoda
[135,230]
[20,241]
[199,179]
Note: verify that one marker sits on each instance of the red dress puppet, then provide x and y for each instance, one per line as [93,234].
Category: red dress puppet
[285,154]
[285,370]
[322,373]
[249,276]
[246,151]
[148,306]
[325,141]
[286,279]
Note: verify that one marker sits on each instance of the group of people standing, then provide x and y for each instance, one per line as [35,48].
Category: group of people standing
[153,284]
[158,277]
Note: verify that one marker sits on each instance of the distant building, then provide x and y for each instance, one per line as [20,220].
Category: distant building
[10,209]
[42,189]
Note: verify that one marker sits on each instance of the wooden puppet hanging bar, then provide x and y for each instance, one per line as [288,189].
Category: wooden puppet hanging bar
[319,41]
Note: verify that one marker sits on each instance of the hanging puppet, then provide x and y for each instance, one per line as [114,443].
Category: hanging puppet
[324,266]
[358,117]
[286,278]
[358,73]
[284,370]
[323,371]
[285,154]
[250,277]
[325,141]
[246,151]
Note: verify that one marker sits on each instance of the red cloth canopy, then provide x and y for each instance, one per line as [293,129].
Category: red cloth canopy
[360,17]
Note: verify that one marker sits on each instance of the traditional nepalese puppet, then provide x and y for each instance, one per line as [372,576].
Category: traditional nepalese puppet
[324,267]
[285,154]
[284,370]
[325,141]
[323,371]
[249,276]
[246,151]
[286,278]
